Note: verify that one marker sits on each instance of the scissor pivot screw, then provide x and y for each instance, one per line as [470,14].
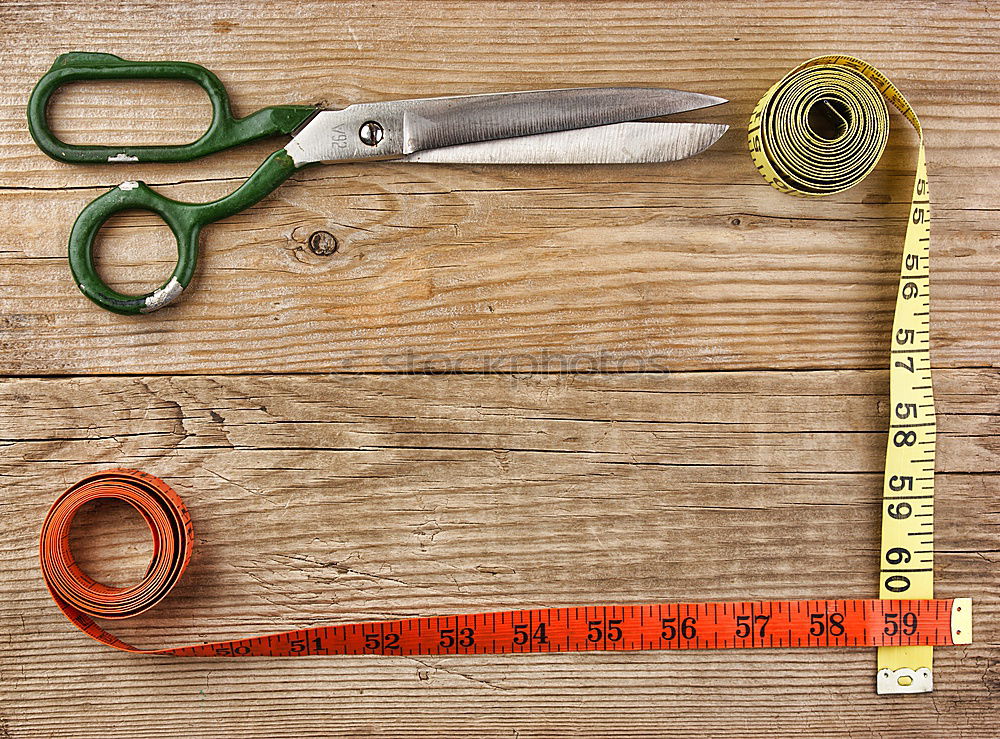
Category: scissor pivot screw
[370,133]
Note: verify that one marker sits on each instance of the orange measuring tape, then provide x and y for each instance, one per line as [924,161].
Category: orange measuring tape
[771,624]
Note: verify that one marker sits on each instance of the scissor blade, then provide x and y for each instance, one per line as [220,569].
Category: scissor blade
[434,123]
[619,143]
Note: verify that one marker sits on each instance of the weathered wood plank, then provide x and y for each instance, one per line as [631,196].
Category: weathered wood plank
[326,498]
[331,497]
[689,266]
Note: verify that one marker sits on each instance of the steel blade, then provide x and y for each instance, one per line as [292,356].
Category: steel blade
[407,126]
[438,122]
[619,143]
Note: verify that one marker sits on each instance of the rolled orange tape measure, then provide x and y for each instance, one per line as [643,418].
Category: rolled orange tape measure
[804,623]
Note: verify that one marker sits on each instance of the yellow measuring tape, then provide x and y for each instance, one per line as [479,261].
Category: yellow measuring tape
[821,130]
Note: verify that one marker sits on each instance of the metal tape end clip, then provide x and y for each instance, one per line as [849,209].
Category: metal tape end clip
[961,621]
[904,680]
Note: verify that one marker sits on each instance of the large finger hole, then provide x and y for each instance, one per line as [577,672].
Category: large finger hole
[129,112]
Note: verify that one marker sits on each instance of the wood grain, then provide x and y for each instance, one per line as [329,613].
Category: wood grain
[681,267]
[510,386]
[324,498]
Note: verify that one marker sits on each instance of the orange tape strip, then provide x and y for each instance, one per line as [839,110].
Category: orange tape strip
[806,623]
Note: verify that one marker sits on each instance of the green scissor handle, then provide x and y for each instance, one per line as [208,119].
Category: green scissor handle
[223,132]
[185,221]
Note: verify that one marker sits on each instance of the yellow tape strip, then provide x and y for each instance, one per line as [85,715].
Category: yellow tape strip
[799,156]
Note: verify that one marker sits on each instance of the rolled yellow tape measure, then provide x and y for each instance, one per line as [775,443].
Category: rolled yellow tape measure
[821,130]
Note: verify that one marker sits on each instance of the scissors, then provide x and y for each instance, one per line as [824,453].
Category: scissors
[587,125]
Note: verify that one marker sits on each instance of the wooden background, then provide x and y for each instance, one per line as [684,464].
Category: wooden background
[510,386]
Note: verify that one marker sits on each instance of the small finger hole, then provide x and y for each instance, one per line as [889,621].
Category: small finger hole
[135,252]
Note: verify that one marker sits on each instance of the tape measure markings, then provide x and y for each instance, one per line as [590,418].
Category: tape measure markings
[766,624]
[796,160]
